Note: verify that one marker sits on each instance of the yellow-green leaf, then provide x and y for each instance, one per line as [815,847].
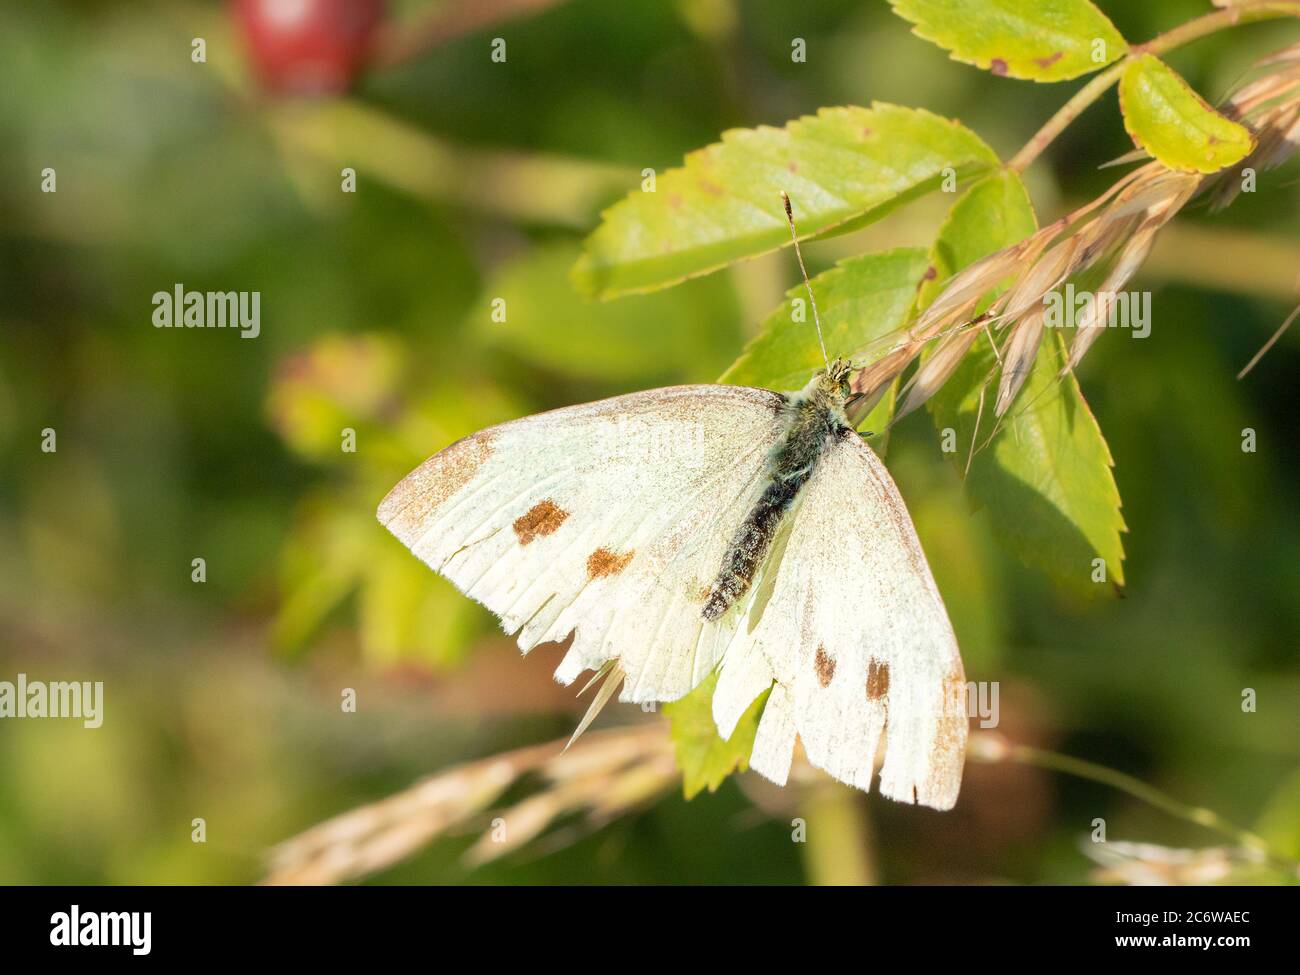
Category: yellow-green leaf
[1046,478]
[1040,40]
[1176,125]
[841,166]
[704,758]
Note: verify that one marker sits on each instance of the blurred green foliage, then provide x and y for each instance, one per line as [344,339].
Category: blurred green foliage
[222,698]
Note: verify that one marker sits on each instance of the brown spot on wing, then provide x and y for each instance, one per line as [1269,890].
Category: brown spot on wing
[542,518]
[1047,62]
[877,680]
[998,67]
[824,664]
[603,562]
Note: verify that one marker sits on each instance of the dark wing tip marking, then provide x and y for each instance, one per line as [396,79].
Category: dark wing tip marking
[950,732]
[434,481]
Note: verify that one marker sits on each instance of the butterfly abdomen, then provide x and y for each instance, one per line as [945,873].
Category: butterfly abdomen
[815,423]
[751,544]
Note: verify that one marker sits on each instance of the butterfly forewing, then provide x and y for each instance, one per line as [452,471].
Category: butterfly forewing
[602,520]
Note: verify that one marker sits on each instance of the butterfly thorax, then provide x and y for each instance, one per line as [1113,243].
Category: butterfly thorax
[814,419]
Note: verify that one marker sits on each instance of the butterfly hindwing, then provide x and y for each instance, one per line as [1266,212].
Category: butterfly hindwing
[855,641]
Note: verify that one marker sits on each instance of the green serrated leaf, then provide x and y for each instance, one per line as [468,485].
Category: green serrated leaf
[841,165]
[689,332]
[994,213]
[704,758]
[1046,477]
[1176,125]
[860,299]
[1039,40]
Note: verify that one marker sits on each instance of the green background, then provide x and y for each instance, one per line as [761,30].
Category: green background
[478,180]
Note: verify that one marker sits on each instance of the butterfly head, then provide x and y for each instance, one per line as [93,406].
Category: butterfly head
[835,380]
[828,389]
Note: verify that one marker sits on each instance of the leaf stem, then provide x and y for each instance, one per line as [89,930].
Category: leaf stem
[838,848]
[1065,115]
[1203,26]
[1081,768]
[1184,34]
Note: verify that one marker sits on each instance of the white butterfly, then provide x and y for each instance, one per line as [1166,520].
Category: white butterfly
[677,531]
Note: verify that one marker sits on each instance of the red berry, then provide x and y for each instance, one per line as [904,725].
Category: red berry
[308,46]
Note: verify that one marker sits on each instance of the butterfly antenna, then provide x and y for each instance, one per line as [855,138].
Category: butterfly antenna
[794,235]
